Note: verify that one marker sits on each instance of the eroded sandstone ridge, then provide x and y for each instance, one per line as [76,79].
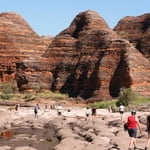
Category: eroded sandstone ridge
[17,42]
[137,31]
[91,60]
[84,57]
[87,59]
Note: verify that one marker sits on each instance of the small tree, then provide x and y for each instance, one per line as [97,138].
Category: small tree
[126,96]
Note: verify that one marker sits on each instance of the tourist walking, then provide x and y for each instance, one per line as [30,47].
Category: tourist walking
[121,110]
[93,114]
[59,110]
[133,125]
[36,108]
[87,113]
[148,130]
[110,109]
[17,106]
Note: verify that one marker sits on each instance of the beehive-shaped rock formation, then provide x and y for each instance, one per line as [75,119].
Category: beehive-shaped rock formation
[137,31]
[87,59]
[17,42]
[91,60]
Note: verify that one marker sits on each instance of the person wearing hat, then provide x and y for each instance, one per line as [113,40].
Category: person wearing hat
[133,125]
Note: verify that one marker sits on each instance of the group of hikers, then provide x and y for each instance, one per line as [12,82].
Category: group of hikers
[91,112]
[132,124]
[37,108]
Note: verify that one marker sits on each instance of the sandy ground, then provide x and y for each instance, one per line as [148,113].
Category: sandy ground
[70,131]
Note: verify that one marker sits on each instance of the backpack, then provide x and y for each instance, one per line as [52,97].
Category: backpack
[125,126]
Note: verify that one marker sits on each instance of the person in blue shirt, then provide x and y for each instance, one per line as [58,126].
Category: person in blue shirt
[36,108]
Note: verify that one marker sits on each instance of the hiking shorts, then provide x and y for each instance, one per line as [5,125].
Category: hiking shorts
[121,112]
[35,111]
[132,132]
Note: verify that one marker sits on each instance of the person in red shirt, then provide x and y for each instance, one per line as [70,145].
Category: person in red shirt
[133,125]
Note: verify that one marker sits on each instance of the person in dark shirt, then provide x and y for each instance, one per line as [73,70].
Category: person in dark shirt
[93,114]
[148,130]
[16,107]
[36,108]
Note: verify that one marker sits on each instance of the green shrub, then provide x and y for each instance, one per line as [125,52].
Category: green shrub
[4,96]
[103,104]
[12,96]
[141,101]
[126,97]
[52,95]
[29,97]
[36,88]
[8,87]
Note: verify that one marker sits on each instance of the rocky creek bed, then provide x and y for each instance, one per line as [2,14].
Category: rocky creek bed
[71,131]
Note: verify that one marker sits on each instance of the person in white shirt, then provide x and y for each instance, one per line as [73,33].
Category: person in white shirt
[59,110]
[121,109]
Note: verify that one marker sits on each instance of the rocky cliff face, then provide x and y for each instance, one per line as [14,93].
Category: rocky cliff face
[139,70]
[17,42]
[87,59]
[78,53]
[137,31]
[34,74]
[91,60]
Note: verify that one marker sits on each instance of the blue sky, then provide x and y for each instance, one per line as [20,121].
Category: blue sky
[49,17]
